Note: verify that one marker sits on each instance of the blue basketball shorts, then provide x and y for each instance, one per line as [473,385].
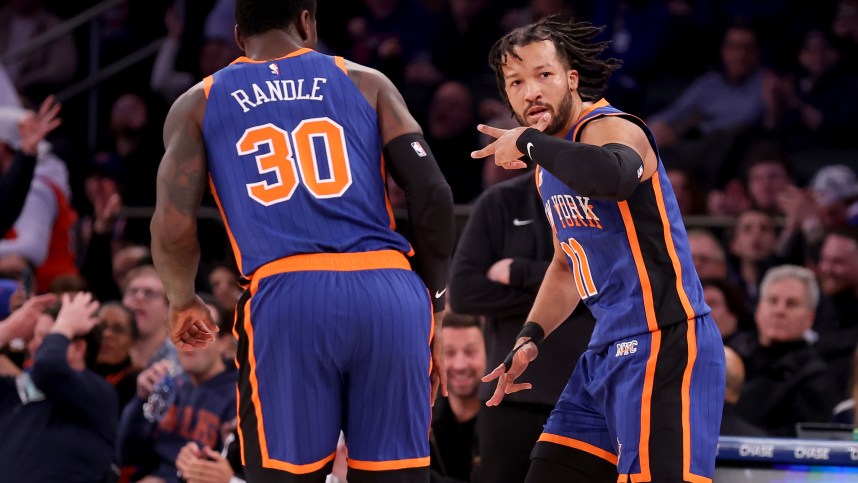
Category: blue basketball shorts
[331,342]
[651,405]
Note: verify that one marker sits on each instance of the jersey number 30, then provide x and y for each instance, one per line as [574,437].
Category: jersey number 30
[580,268]
[281,160]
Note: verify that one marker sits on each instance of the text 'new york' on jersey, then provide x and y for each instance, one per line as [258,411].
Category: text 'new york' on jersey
[630,259]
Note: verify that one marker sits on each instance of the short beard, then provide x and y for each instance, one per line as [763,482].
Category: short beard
[559,117]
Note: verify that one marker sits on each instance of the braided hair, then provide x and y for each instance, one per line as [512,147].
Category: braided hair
[575,49]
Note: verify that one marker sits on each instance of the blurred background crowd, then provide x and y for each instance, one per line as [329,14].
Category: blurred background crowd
[752,103]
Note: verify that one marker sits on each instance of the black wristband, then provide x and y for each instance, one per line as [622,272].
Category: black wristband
[530,329]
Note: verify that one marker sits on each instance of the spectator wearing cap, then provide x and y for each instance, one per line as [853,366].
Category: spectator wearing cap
[836,191]
[40,234]
[830,203]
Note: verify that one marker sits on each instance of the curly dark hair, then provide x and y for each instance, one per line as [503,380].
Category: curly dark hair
[575,48]
[258,16]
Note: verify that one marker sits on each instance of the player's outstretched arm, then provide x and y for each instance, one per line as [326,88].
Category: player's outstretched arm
[614,155]
[175,248]
[555,301]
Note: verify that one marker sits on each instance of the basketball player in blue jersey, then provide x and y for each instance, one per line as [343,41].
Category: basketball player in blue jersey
[644,402]
[335,331]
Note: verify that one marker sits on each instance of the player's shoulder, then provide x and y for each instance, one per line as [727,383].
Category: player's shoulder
[191,104]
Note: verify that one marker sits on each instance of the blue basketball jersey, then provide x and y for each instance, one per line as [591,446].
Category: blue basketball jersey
[295,160]
[630,259]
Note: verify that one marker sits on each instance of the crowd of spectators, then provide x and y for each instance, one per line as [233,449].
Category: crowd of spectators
[751,102]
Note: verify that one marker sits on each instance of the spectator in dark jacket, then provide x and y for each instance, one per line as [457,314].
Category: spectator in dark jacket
[500,261]
[788,382]
[58,419]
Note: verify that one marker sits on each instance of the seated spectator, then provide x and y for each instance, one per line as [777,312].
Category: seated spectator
[720,100]
[752,246]
[201,402]
[809,107]
[729,310]
[689,195]
[767,174]
[114,359]
[731,423]
[58,419]
[451,135]
[788,382]
[708,256]
[838,278]
[830,203]
[223,280]
[147,299]
[41,234]
[453,438]
[836,191]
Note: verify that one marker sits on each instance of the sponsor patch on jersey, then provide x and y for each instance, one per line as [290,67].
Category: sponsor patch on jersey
[274,69]
[418,149]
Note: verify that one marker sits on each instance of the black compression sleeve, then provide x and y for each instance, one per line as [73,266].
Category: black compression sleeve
[14,186]
[612,171]
[430,210]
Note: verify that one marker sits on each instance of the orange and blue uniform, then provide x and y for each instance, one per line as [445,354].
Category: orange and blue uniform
[334,331]
[647,395]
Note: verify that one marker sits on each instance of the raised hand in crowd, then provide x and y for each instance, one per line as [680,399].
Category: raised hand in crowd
[34,127]
[77,315]
[106,203]
[21,323]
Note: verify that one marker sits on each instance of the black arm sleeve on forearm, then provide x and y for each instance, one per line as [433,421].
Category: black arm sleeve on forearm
[612,171]
[14,187]
[430,210]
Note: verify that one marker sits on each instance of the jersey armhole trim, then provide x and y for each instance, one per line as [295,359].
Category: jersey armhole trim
[341,63]
[208,81]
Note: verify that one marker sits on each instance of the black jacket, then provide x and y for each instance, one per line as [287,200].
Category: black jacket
[508,221]
[787,383]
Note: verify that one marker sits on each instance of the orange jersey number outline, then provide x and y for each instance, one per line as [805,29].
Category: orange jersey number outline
[580,268]
[281,158]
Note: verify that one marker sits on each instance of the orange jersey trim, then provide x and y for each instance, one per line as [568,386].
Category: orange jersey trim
[600,103]
[247,60]
[331,262]
[579,445]
[208,81]
[691,337]
[671,248]
[341,63]
[296,469]
[646,409]
[388,465]
[643,276]
[254,384]
[235,251]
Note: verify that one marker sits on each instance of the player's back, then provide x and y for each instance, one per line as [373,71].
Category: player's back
[294,155]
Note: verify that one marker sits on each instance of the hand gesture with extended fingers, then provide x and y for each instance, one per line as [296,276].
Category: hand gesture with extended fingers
[192,326]
[510,369]
[34,127]
[503,147]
